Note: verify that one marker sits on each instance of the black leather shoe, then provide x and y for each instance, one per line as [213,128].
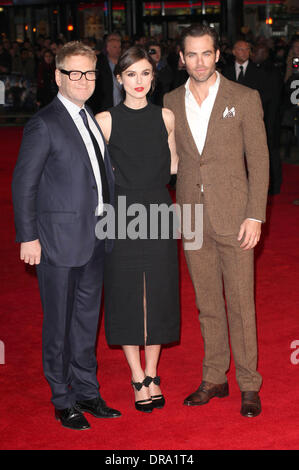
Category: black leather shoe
[251,404]
[97,407]
[72,419]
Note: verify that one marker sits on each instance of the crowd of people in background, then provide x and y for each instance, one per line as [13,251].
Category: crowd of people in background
[264,64]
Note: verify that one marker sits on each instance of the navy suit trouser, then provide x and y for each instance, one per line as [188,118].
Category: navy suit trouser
[71,300]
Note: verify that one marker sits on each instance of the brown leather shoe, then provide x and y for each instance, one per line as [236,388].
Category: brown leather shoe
[205,392]
[251,404]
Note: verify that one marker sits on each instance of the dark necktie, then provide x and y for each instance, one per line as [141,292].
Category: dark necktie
[241,74]
[105,187]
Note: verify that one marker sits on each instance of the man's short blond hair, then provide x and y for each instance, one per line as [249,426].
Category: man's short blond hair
[74,48]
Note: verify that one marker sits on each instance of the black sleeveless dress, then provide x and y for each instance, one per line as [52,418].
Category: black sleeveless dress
[140,155]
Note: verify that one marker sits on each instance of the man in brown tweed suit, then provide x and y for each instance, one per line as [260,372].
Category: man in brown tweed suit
[224,165]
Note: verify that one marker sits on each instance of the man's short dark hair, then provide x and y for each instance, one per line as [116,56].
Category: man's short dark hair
[199,30]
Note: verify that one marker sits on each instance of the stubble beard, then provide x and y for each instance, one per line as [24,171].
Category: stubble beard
[204,78]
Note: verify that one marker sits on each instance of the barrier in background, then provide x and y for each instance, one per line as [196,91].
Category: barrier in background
[19,94]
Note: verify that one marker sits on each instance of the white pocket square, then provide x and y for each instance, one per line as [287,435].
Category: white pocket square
[228,113]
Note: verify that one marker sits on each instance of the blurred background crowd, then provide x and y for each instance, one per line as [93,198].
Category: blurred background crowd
[268,65]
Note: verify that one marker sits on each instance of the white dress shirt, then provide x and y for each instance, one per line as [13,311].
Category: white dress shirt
[74,110]
[198,117]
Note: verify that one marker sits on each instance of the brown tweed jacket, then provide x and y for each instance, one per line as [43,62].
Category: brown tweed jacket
[235,186]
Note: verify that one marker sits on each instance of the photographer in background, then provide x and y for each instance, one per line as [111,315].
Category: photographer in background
[273,81]
[290,120]
[293,53]
[292,96]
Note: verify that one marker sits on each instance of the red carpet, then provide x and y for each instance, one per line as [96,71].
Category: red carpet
[26,415]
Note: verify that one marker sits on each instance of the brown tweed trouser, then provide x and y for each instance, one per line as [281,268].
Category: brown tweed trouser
[221,262]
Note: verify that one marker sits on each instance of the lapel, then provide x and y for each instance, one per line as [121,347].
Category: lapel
[71,129]
[184,124]
[221,101]
[231,75]
[234,74]
[251,76]
[249,69]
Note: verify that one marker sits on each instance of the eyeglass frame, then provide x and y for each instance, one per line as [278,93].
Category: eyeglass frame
[68,73]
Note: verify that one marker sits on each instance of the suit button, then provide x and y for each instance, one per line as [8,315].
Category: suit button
[94,187]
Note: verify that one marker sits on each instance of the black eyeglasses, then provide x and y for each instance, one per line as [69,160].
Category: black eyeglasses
[75,75]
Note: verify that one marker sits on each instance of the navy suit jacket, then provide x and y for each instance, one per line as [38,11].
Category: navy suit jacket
[254,78]
[54,189]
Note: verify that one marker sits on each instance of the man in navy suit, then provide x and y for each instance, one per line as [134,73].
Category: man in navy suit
[62,179]
[245,71]
[265,79]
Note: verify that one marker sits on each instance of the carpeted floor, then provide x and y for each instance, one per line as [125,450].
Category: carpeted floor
[27,417]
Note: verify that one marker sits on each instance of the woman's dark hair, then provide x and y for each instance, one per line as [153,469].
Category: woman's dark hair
[199,30]
[130,57]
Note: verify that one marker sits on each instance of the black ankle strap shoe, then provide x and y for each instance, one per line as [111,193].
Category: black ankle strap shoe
[143,405]
[158,400]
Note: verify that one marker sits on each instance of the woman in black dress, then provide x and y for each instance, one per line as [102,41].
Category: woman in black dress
[141,273]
